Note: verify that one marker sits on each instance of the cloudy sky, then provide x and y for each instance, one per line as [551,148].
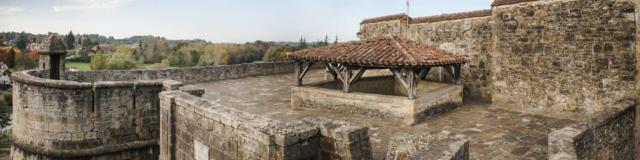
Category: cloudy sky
[214,20]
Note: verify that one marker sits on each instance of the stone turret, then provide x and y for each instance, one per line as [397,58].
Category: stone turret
[52,53]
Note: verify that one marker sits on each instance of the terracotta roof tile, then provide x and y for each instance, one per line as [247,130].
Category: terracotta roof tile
[387,51]
[454,16]
[507,2]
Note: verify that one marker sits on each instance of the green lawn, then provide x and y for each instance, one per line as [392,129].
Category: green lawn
[82,66]
[78,65]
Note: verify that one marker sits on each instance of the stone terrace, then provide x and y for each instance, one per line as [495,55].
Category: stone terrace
[494,133]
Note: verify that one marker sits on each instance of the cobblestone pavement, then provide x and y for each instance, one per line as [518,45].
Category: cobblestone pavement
[494,133]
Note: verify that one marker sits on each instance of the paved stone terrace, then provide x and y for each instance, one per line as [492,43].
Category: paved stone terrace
[494,133]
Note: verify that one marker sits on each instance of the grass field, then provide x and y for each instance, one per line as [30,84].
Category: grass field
[78,65]
[82,66]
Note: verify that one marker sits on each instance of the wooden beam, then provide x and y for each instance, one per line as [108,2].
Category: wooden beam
[458,72]
[413,83]
[357,76]
[449,69]
[423,73]
[336,70]
[332,72]
[398,75]
[298,70]
[346,78]
[307,66]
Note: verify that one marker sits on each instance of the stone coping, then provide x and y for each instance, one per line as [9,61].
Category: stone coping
[266,130]
[76,153]
[563,142]
[428,146]
[226,72]
[509,2]
[429,19]
[29,77]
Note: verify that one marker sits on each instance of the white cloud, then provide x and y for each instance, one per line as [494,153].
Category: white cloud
[10,9]
[82,5]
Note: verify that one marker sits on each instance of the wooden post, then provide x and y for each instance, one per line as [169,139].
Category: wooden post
[411,80]
[298,70]
[346,79]
[457,73]
[423,73]
[331,71]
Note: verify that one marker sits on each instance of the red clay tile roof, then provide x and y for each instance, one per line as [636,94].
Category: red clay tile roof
[401,17]
[507,2]
[381,52]
[454,16]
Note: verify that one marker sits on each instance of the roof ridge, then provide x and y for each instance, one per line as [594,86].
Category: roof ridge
[404,51]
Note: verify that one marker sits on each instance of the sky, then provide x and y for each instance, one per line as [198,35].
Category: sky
[235,21]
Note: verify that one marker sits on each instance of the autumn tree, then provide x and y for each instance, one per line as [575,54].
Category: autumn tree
[98,62]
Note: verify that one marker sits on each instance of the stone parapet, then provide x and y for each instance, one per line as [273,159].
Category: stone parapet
[202,129]
[609,135]
[185,75]
[428,147]
[119,110]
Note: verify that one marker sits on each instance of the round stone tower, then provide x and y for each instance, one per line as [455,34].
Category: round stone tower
[52,53]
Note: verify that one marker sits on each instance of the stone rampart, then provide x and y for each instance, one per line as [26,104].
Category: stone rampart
[185,75]
[609,135]
[102,120]
[193,128]
[101,114]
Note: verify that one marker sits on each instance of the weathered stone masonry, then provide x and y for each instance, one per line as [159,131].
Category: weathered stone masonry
[103,115]
[562,56]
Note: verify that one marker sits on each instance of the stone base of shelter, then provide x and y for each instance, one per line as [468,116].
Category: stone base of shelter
[379,97]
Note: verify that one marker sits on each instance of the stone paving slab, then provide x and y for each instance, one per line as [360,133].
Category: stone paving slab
[494,133]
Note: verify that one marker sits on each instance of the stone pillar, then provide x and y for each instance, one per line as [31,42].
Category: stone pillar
[52,53]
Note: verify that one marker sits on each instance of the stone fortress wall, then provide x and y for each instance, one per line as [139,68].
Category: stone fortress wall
[104,114]
[547,57]
[561,58]
[567,58]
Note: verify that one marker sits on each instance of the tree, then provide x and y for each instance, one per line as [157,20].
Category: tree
[70,40]
[123,58]
[303,42]
[98,62]
[34,55]
[336,41]
[23,61]
[21,41]
[11,58]
[326,40]
[277,53]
